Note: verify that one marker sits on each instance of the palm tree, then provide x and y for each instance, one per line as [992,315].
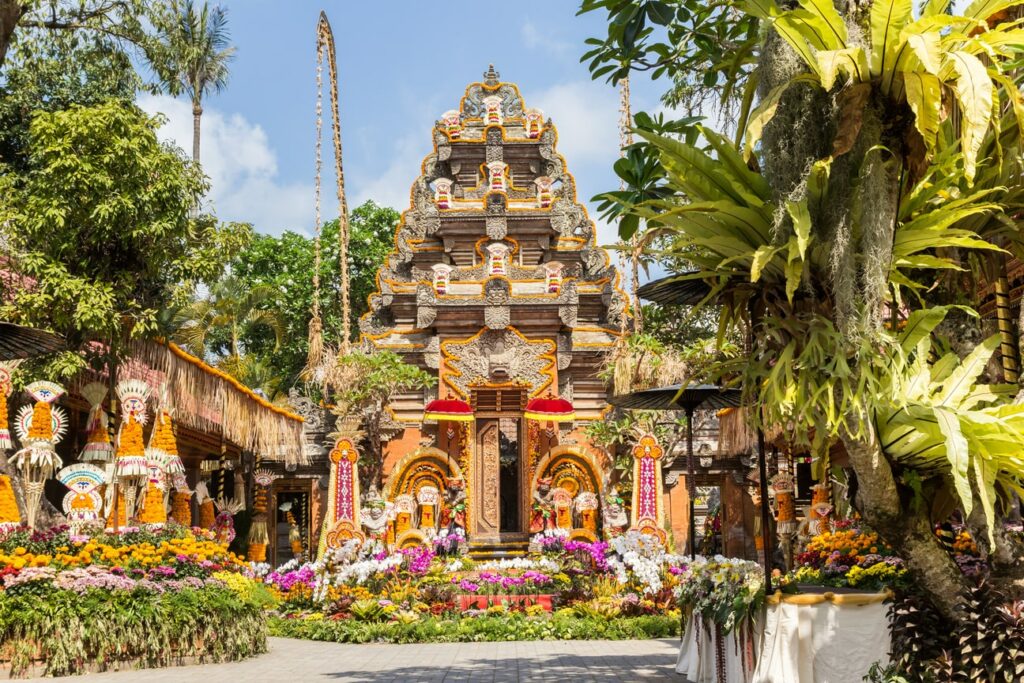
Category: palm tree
[193,56]
[216,325]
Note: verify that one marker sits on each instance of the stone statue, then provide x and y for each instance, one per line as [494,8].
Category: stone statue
[614,513]
[454,513]
[374,513]
[543,507]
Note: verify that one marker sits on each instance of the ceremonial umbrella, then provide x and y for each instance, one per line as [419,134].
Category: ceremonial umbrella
[451,409]
[550,409]
[18,341]
[686,398]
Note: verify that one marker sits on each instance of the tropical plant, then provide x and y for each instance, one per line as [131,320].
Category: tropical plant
[856,190]
[284,263]
[102,238]
[193,55]
[217,324]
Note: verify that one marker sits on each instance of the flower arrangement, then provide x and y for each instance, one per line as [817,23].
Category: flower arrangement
[725,591]
[850,557]
[9,514]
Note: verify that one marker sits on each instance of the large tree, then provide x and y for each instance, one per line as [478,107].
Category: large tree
[875,163]
[121,21]
[192,55]
[285,264]
[98,227]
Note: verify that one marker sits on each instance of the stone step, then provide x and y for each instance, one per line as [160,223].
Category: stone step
[498,551]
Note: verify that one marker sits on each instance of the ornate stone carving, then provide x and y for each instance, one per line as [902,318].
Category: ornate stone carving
[497,291]
[432,353]
[497,227]
[497,317]
[477,359]
[564,342]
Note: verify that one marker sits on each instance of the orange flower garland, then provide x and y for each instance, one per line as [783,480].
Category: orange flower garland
[164,437]
[41,428]
[181,508]
[207,515]
[5,432]
[257,552]
[122,518]
[9,513]
[153,510]
[130,444]
[98,434]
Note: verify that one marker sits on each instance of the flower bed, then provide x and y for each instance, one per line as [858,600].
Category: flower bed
[71,604]
[480,628]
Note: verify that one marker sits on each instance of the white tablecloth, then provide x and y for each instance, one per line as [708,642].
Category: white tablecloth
[697,654]
[821,643]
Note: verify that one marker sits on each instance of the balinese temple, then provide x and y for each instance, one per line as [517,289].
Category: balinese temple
[497,287]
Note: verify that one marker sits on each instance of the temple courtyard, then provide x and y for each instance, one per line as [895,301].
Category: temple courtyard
[301,660]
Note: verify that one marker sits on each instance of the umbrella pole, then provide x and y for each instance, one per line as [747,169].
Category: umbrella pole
[690,483]
[766,537]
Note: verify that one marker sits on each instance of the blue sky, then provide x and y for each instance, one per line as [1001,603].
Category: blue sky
[401,64]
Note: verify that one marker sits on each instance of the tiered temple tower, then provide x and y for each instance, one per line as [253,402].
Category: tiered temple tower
[496,285]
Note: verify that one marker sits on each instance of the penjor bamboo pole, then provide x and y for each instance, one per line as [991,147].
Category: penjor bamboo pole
[1004,318]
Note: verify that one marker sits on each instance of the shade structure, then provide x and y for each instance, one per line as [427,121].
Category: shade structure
[451,409]
[550,409]
[681,289]
[679,397]
[18,341]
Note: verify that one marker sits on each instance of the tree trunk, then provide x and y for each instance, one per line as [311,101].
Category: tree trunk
[197,115]
[907,530]
[10,14]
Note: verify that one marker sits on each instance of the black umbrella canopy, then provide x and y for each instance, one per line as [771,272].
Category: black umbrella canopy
[679,397]
[674,290]
[17,341]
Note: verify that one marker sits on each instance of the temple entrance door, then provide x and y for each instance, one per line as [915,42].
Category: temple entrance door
[509,486]
[500,481]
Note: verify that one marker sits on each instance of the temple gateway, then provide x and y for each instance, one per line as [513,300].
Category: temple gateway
[496,285]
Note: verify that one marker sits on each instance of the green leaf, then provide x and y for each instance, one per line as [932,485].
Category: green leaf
[924,95]
[974,92]
[957,453]
[959,384]
[851,61]
[888,17]
[765,110]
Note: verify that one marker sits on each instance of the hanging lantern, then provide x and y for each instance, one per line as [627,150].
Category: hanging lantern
[450,409]
[40,428]
[97,444]
[550,409]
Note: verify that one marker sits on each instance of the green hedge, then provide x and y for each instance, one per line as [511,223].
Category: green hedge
[70,633]
[477,629]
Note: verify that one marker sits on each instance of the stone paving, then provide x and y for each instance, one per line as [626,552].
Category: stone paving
[295,661]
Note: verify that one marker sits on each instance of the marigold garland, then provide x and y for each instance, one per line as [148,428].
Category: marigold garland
[5,432]
[257,552]
[164,439]
[122,518]
[181,508]
[41,428]
[153,510]
[207,515]
[9,513]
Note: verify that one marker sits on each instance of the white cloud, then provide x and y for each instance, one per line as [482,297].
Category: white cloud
[237,156]
[534,38]
[393,185]
[586,116]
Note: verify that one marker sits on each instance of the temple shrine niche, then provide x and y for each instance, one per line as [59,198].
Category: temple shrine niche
[496,285]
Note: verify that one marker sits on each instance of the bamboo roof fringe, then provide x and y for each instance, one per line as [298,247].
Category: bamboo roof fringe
[204,398]
[735,435]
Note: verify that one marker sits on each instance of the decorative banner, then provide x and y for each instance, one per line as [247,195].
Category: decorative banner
[341,523]
[648,513]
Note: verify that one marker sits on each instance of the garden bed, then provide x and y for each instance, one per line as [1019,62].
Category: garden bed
[482,628]
[142,598]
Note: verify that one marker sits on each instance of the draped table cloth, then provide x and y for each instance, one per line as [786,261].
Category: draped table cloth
[803,638]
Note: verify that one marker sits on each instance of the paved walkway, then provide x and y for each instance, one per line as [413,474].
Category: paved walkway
[297,661]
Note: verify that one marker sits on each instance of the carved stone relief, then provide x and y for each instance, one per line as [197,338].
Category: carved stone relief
[498,355]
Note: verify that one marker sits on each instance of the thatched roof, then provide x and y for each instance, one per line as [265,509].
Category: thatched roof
[209,400]
[18,341]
